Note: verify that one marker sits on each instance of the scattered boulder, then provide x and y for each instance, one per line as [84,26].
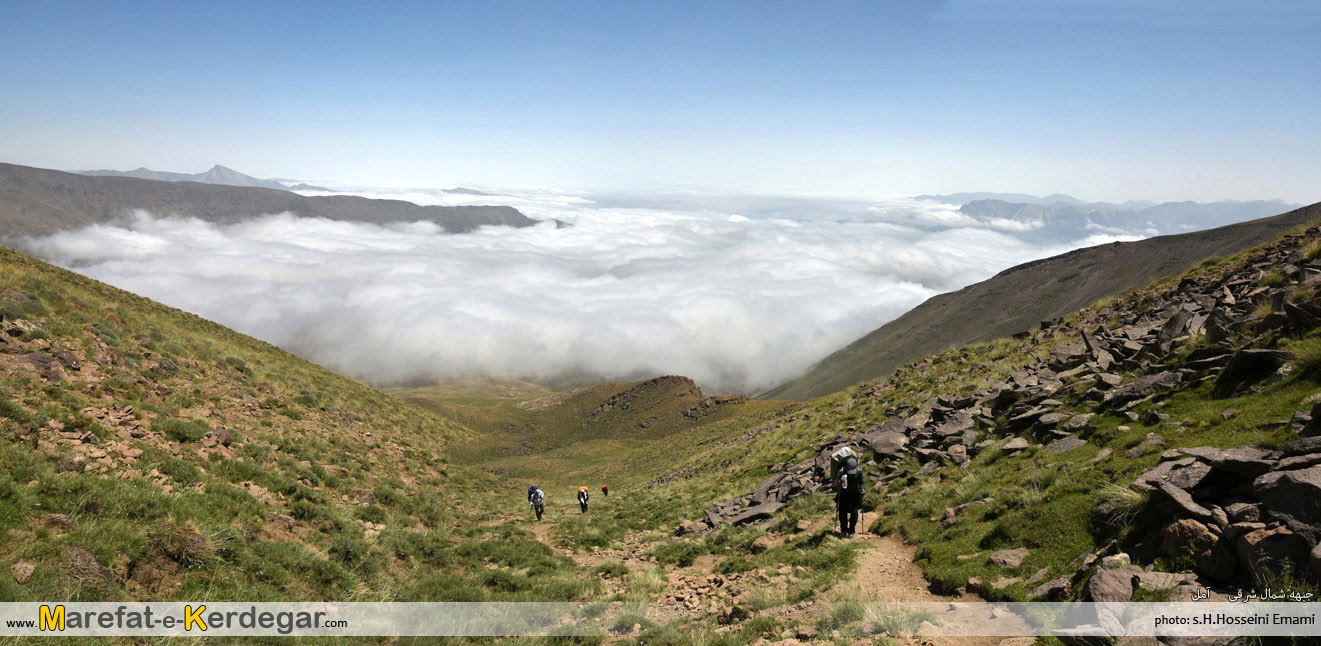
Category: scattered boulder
[1152,441]
[1010,558]
[1015,444]
[1144,387]
[1247,368]
[1078,424]
[1066,443]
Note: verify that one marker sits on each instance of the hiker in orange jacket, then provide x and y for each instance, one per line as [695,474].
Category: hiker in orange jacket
[582,498]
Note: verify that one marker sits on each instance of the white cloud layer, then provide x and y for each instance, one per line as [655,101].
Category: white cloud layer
[737,301]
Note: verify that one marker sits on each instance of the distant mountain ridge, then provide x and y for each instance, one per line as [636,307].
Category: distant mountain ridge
[217,175]
[36,201]
[1072,221]
[960,199]
[1020,297]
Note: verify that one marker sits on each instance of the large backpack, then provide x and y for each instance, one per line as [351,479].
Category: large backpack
[837,460]
[851,482]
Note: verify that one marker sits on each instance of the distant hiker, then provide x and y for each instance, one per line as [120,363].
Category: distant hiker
[605,491]
[537,498]
[848,496]
[582,498]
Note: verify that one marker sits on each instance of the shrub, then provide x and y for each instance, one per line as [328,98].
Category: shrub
[678,553]
[371,513]
[348,550]
[179,430]
[11,410]
[612,569]
[1272,278]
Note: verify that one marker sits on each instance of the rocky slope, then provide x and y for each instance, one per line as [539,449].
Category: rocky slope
[1178,361]
[36,201]
[1016,299]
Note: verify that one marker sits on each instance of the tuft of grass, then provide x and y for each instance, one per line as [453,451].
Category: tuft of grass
[1124,503]
[1272,278]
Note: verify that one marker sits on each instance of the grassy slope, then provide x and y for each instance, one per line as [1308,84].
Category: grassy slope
[1040,500]
[279,514]
[1019,298]
[574,437]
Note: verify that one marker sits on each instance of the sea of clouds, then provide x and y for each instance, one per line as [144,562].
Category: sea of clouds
[739,293]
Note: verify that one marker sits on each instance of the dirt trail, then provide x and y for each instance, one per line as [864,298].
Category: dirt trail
[886,572]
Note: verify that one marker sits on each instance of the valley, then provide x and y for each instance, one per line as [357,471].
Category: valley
[150,454]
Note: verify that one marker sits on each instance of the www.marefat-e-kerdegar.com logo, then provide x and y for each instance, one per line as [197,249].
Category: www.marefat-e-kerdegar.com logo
[192,619]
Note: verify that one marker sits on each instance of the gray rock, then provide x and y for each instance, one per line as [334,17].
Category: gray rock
[1141,448]
[1184,474]
[1303,446]
[1243,512]
[1142,388]
[1066,443]
[1315,560]
[1051,420]
[886,441]
[1016,444]
[1248,367]
[757,512]
[1108,380]
[1181,503]
[1250,461]
[1068,356]
[1052,588]
[1010,558]
[955,424]
[1299,462]
[763,490]
[1238,529]
[1078,423]
[1295,498]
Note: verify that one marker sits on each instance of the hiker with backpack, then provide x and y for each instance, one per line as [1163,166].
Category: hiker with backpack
[582,498]
[537,498]
[605,491]
[848,496]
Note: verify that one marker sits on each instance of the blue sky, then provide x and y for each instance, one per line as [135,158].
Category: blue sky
[1105,100]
